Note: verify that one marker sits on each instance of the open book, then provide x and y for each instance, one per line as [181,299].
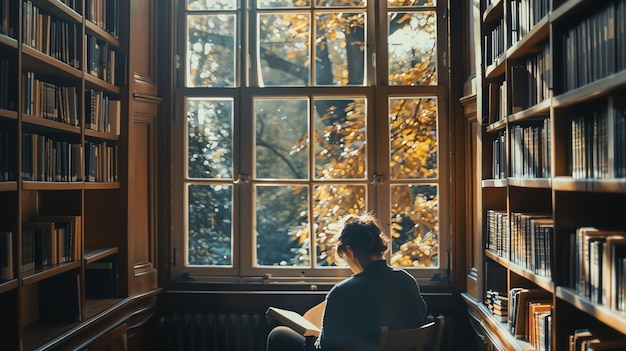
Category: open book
[308,324]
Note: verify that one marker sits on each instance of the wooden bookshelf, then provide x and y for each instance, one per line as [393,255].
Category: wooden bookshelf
[571,55]
[73,178]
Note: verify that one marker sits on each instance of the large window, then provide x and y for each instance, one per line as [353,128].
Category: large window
[292,114]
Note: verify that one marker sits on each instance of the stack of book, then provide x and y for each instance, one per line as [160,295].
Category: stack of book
[498,304]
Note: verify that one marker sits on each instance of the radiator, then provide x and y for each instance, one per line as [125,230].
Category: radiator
[216,332]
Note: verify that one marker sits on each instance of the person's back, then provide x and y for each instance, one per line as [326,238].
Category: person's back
[357,307]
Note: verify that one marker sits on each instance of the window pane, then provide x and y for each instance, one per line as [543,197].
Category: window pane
[282,138]
[401,3]
[211,4]
[414,226]
[412,41]
[413,138]
[282,226]
[209,138]
[209,228]
[340,48]
[211,56]
[284,51]
[332,203]
[340,138]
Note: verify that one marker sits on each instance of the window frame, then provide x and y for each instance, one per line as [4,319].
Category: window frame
[375,90]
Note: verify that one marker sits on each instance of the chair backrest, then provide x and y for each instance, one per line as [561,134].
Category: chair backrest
[425,338]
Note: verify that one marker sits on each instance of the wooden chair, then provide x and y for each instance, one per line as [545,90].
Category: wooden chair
[425,338]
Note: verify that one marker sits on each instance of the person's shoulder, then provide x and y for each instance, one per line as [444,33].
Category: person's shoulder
[401,272]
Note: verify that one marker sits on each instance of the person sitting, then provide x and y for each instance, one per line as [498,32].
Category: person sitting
[355,308]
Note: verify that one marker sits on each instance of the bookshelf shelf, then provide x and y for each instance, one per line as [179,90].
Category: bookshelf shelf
[540,110]
[8,114]
[98,254]
[493,11]
[35,276]
[497,68]
[34,185]
[96,83]
[50,124]
[59,9]
[101,185]
[8,286]
[101,135]
[36,61]
[494,257]
[590,185]
[591,91]
[95,30]
[497,330]
[541,183]
[614,319]
[8,186]
[543,282]
[495,183]
[497,126]
[8,41]
[538,34]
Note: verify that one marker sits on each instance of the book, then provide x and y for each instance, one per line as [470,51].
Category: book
[308,324]
[68,229]
[525,297]
[615,249]
[536,312]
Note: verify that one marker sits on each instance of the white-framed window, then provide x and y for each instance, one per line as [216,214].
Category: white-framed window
[291,114]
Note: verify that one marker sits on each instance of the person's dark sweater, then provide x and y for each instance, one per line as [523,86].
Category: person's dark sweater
[357,307]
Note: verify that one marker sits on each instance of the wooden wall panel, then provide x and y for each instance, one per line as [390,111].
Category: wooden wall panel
[144,50]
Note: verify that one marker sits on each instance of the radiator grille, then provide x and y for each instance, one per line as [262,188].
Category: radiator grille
[217,332]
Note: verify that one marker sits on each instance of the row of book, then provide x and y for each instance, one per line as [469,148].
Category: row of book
[7,271]
[102,112]
[498,233]
[525,14]
[530,80]
[50,160]
[101,59]
[104,13]
[525,239]
[531,150]
[101,163]
[530,316]
[49,241]
[595,47]
[532,242]
[598,143]
[51,36]
[47,100]
[495,43]
[598,264]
